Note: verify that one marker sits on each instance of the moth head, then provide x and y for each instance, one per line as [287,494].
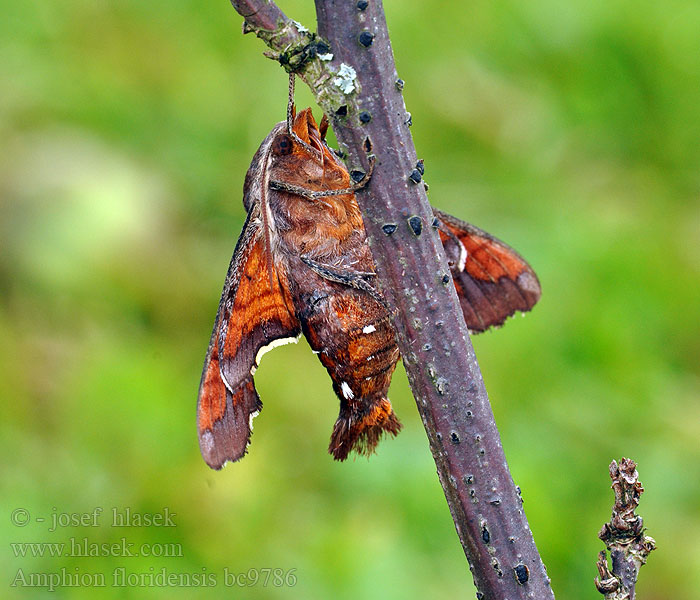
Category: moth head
[306,150]
[304,143]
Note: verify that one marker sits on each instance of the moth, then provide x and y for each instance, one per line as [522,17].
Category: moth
[302,265]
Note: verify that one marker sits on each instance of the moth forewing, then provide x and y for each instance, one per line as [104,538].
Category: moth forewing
[253,313]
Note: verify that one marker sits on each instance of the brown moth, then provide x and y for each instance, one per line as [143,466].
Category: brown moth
[302,265]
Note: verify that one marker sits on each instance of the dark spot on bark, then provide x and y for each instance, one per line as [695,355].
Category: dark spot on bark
[435,223]
[357,175]
[318,47]
[399,84]
[416,225]
[365,117]
[468,479]
[415,176]
[389,228]
[368,145]
[497,567]
[366,38]
[455,438]
[485,535]
[409,120]
[445,279]
[420,165]
[522,573]
[342,111]
[362,5]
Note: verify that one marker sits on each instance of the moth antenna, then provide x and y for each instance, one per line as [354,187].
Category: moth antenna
[323,126]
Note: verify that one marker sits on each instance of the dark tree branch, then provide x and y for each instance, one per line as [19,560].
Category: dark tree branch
[623,536]
[359,90]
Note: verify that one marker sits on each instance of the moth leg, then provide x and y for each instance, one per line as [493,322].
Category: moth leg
[355,279]
[315,195]
[355,186]
[291,110]
[282,186]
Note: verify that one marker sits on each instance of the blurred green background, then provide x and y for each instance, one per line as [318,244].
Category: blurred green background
[571,131]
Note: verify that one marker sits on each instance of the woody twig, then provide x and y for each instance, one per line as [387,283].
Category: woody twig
[350,68]
[623,536]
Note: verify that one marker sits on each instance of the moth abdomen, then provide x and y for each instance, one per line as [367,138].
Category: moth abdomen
[361,371]
[361,425]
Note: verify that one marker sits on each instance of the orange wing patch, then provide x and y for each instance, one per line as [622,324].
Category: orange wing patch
[212,394]
[253,316]
[263,302]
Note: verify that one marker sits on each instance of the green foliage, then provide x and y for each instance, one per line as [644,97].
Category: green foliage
[569,130]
